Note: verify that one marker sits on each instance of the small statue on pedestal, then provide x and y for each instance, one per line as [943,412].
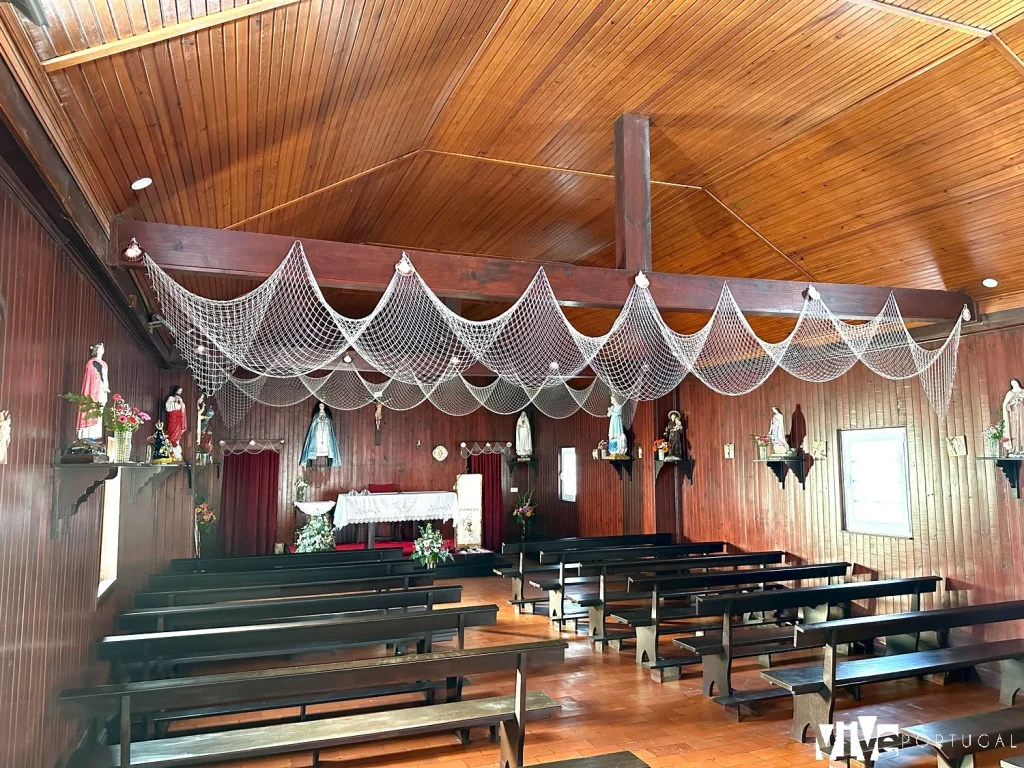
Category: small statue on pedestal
[89,425]
[674,436]
[618,447]
[177,422]
[524,438]
[204,434]
[777,434]
[161,446]
[1013,419]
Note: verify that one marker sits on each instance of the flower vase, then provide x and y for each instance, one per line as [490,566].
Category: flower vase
[431,565]
[992,447]
[122,447]
[762,451]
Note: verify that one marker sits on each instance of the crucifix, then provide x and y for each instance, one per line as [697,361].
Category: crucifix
[378,417]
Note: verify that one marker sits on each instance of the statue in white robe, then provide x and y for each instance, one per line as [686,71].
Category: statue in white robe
[524,438]
[1013,419]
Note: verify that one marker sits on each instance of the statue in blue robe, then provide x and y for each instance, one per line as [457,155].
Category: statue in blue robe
[321,442]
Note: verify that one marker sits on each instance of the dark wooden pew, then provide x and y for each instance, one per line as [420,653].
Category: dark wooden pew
[958,739]
[613,760]
[814,688]
[177,581]
[142,651]
[658,620]
[561,585]
[606,554]
[277,609]
[718,649]
[275,562]
[227,594]
[508,713]
[517,573]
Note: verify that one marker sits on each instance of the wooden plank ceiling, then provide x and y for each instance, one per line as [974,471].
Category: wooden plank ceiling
[810,139]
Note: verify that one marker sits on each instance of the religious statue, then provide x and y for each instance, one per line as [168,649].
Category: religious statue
[674,436]
[204,434]
[617,444]
[161,446]
[524,438]
[321,442]
[177,422]
[96,385]
[1013,419]
[5,434]
[777,434]
[378,414]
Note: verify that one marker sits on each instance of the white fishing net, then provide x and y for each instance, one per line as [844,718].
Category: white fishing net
[285,335]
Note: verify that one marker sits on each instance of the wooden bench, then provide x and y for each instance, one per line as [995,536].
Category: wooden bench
[658,620]
[602,574]
[957,740]
[603,554]
[614,760]
[718,649]
[193,646]
[274,562]
[517,574]
[1012,762]
[278,609]
[178,581]
[508,713]
[228,594]
[814,688]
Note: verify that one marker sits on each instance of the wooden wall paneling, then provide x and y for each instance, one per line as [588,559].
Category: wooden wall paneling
[48,586]
[967,527]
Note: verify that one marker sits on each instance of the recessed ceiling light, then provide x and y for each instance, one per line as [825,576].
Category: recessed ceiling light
[347,358]
[140,184]
[990,282]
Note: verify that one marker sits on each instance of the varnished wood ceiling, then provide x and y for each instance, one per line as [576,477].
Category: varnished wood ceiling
[806,139]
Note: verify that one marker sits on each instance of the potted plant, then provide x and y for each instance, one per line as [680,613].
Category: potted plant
[995,438]
[316,536]
[119,418]
[429,549]
[524,512]
[762,442]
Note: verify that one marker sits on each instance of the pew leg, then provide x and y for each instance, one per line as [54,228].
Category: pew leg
[967,761]
[716,675]
[556,609]
[811,710]
[316,758]
[1011,680]
[517,594]
[595,620]
[646,644]
[510,739]
[453,689]
[493,733]
[463,736]
[126,732]
[765,660]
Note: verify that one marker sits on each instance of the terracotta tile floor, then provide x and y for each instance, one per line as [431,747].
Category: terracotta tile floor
[610,704]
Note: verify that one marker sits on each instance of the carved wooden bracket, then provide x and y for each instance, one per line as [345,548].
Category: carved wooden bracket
[780,466]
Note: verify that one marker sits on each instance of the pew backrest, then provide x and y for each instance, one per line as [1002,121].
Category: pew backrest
[276,562]
[671,565]
[675,582]
[592,542]
[174,581]
[628,553]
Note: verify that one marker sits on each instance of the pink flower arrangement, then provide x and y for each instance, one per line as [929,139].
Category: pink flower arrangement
[117,415]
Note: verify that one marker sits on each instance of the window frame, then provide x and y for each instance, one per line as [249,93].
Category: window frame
[110,539]
[904,529]
[562,494]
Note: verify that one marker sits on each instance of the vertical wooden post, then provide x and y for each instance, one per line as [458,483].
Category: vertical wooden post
[632,193]
[512,733]
[126,731]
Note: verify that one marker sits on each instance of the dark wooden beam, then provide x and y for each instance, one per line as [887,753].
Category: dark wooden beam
[632,193]
[476,278]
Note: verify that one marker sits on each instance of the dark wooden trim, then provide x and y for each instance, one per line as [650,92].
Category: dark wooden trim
[370,268]
[633,193]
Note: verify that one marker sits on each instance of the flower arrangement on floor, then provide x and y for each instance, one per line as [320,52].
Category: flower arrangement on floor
[206,518]
[995,438]
[429,549]
[524,512]
[317,535]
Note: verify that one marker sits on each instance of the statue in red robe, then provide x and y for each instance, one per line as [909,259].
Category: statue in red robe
[96,385]
[177,421]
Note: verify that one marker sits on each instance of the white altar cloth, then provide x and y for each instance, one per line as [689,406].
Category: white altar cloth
[395,507]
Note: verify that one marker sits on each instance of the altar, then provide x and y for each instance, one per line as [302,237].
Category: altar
[353,509]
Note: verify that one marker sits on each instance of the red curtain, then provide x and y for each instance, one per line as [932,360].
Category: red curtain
[489,465]
[249,503]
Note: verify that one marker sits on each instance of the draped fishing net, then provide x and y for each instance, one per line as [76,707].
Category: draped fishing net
[283,343]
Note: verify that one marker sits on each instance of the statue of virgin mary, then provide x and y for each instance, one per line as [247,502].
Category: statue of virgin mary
[321,442]
[524,438]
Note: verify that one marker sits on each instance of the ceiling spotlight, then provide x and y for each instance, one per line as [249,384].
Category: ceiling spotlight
[133,251]
[990,282]
[455,360]
[347,358]
[140,184]
[554,365]
[200,350]
[404,266]
[252,442]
